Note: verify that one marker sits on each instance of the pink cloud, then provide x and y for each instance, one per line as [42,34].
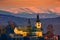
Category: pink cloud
[36,9]
[31,10]
[56,9]
[13,10]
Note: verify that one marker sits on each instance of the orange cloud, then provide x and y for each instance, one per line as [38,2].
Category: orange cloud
[13,10]
[28,3]
[32,10]
[55,9]
[36,9]
[32,5]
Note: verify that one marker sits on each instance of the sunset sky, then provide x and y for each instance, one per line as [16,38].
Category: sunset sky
[34,5]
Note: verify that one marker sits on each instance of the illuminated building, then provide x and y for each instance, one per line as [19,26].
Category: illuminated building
[39,32]
[27,31]
[20,30]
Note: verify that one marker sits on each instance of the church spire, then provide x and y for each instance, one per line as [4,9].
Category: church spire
[38,23]
[39,32]
[29,22]
[37,20]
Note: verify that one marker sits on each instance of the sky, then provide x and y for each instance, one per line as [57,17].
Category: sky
[34,5]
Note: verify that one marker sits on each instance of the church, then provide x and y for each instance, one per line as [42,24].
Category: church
[36,32]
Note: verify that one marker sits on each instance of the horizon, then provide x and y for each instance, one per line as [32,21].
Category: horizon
[48,14]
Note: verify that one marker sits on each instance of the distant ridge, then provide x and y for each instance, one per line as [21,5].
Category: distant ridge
[27,15]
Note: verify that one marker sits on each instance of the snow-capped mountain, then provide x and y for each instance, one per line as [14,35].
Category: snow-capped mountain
[33,15]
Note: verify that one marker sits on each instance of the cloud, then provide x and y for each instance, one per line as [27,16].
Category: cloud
[29,3]
[32,10]
[24,9]
[55,9]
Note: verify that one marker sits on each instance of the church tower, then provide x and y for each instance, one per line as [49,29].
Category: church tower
[29,28]
[38,27]
[29,23]
[38,23]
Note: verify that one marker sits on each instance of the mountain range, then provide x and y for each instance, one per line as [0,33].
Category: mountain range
[33,15]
